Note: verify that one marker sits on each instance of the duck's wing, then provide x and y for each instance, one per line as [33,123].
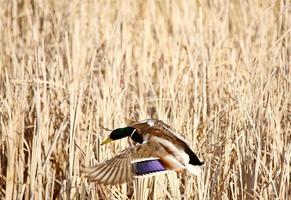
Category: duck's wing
[143,159]
[144,124]
[167,131]
[114,171]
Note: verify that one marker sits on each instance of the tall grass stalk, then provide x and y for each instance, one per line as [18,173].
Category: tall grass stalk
[217,71]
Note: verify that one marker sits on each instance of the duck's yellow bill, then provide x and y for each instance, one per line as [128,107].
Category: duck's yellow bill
[108,140]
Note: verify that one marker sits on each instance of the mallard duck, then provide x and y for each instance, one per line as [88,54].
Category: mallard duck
[159,148]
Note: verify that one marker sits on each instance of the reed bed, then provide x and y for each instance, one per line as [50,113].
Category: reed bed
[217,71]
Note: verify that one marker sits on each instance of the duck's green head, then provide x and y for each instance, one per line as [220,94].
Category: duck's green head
[119,134]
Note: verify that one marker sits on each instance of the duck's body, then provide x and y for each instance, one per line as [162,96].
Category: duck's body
[170,139]
[160,149]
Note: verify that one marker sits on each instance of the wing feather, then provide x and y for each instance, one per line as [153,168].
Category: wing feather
[119,170]
[150,124]
[99,171]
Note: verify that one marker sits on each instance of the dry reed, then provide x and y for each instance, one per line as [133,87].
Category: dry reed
[217,71]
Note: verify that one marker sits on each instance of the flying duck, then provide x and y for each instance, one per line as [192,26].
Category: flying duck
[159,148]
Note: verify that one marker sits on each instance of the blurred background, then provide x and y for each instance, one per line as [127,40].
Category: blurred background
[216,71]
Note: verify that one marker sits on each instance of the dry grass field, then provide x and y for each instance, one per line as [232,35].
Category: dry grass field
[217,71]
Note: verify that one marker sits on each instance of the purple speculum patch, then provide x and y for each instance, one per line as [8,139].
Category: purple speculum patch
[149,166]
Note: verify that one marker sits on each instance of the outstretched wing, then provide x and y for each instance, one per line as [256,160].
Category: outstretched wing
[139,160]
[114,171]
